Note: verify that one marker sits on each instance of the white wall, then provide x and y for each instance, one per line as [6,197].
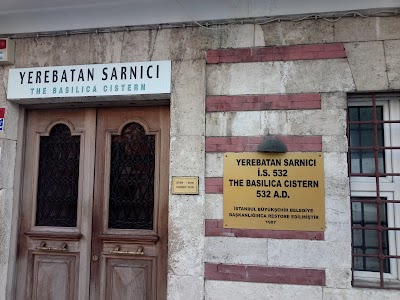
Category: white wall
[39,16]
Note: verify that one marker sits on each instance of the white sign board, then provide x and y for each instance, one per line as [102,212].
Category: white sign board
[140,78]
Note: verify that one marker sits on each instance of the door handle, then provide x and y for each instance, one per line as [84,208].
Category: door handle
[43,247]
[117,250]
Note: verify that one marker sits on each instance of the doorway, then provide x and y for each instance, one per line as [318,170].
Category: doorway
[94,209]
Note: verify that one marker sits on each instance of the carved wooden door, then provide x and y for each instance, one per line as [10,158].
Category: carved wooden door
[94,204]
[129,242]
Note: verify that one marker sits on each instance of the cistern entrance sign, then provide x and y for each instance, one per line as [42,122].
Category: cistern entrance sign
[282,191]
[139,78]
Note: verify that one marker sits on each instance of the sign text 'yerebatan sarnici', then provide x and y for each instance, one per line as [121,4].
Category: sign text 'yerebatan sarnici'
[277,191]
[138,78]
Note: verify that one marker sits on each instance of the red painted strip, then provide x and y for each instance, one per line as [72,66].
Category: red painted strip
[2,112]
[264,274]
[294,143]
[214,185]
[215,228]
[263,102]
[280,53]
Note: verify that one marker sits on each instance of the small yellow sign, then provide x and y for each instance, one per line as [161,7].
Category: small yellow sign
[185,185]
[278,191]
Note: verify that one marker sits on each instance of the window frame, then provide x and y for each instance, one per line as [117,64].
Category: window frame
[388,184]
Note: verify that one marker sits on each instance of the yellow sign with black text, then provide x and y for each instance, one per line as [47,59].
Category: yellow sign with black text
[276,191]
[185,185]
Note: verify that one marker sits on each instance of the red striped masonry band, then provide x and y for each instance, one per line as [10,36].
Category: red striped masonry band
[264,274]
[214,185]
[263,102]
[214,227]
[277,53]
[294,143]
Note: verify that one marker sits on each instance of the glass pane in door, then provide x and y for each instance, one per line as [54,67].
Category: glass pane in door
[131,200]
[57,192]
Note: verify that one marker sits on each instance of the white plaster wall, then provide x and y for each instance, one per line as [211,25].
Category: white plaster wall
[327,75]
[228,290]
[369,74]
[344,30]
[243,123]
[186,213]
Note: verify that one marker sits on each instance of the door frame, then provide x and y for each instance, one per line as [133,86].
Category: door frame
[11,277]
[18,175]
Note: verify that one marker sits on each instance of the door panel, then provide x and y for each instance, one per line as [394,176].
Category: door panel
[128,279]
[94,207]
[63,203]
[131,195]
[54,277]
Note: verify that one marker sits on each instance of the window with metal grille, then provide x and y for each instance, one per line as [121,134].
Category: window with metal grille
[57,189]
[131,203]
[373,130]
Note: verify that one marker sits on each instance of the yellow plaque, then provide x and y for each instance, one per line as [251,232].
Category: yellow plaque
[277,191]
[185,185]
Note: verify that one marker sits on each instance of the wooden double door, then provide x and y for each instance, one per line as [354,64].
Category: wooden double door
[93,221]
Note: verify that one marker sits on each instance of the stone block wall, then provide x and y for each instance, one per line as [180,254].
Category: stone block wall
[186,49]
[231,87]
[287,85]
[294,86]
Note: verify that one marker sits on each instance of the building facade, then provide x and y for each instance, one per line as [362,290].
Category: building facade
[320,87]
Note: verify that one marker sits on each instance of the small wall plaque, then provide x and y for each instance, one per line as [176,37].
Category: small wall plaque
[185,185]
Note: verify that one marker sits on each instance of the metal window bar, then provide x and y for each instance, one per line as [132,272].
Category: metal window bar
[378,201]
